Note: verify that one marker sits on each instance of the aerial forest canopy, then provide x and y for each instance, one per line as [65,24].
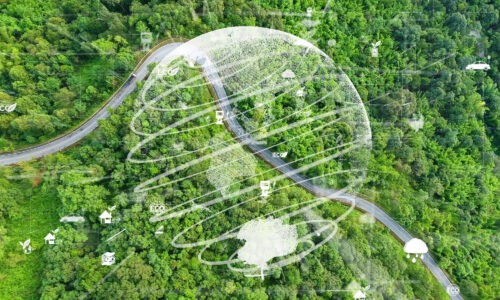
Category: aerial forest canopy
[431,162]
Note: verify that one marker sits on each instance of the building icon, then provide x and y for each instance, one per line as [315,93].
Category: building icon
[219,115]
[105,217]
[50,239]
[108,259]
[265,186]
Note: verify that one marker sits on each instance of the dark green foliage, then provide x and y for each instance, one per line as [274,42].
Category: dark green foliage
[62,59]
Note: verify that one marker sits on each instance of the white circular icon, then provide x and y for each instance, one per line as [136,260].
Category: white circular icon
[156,208]
[453,290]
[8,108]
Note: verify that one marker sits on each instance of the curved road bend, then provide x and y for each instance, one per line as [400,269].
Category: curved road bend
[286,169]
[79,133]
[216,83]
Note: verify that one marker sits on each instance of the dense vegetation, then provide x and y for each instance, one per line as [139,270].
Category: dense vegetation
[440,182]
[154,269]
[59,65]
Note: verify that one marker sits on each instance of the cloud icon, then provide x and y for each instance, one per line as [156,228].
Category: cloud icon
[415,246]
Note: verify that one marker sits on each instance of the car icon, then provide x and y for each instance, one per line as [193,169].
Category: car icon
[478,66]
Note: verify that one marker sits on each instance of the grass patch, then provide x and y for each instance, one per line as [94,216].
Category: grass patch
[21,274]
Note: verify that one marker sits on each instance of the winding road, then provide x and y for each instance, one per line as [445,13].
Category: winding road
[232,124]
[92,123]
[335,195]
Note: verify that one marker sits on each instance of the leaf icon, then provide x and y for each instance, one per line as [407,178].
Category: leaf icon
[11,108]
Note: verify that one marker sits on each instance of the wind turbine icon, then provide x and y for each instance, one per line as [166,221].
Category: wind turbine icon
[26,246]
[374,49]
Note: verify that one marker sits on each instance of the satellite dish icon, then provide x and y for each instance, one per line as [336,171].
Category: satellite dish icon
[26,246]
[173,71]
[415,247]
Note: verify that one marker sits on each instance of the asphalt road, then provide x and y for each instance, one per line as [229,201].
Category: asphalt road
[81,132]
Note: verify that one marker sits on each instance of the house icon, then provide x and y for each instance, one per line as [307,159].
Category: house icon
[300,92]
[108,259]
[359,295]
[50,239]
[105,217]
